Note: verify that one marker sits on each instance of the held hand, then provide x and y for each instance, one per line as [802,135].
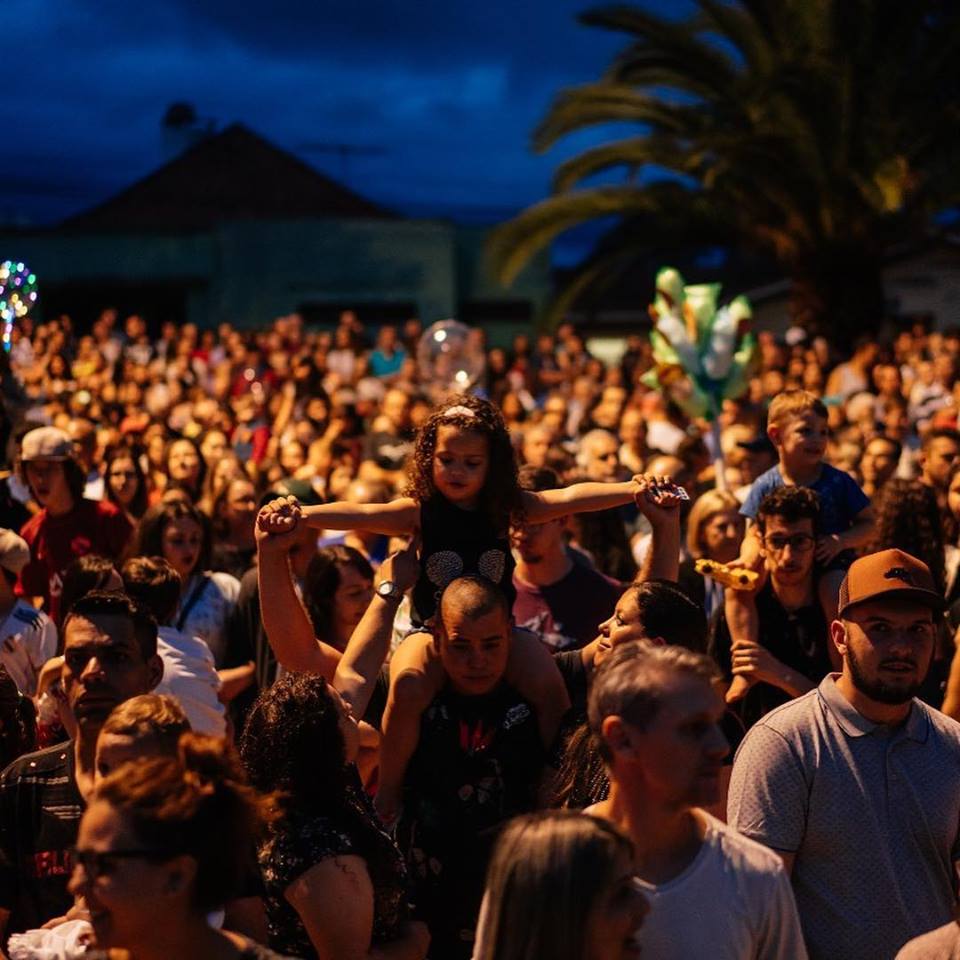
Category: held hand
[276,523]
[403,567]
[658,498]
[828,547]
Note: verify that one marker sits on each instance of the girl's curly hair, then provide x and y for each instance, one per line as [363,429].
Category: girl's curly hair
[501,495]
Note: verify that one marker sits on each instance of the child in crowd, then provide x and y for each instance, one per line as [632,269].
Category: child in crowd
[797,427]
[461,496]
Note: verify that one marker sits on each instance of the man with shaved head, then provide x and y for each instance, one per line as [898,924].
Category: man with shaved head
[477,764]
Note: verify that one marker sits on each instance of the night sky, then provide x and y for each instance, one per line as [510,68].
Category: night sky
[440,96]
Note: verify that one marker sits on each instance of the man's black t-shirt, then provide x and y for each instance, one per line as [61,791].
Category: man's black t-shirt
[477,765]
[40,811]
[797,638]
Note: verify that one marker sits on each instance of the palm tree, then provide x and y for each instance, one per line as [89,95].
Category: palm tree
[816,131]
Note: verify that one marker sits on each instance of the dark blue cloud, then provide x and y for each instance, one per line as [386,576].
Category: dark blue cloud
[444,94]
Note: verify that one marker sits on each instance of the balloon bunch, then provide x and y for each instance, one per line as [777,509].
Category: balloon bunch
[18,294]
[702,354]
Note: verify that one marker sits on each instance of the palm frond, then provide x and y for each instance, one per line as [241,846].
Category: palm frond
[634,153]
[513,244]
[580,107]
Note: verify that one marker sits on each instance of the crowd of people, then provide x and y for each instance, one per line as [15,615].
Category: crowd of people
[304,655]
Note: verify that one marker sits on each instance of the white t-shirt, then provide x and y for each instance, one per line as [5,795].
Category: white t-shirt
[208,611]
[190,677]
[28,639]
[734,902]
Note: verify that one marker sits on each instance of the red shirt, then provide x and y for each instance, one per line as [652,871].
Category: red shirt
[92,526]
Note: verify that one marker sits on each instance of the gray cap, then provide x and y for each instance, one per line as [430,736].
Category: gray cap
[46,443]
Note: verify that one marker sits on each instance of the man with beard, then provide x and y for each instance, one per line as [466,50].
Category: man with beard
[857,784]
[109,656]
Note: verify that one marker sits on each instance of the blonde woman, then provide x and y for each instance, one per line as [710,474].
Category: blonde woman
[561,885]
[715,530]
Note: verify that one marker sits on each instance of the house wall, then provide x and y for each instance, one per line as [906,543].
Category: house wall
[927,283]
[251,271]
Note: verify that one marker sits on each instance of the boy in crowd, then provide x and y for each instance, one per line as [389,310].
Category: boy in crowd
[797,427]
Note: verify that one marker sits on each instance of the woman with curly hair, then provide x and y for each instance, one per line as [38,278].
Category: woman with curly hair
[461,495]
[336,884]
[161,846]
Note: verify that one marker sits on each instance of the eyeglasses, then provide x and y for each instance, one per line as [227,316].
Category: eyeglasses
[102,863]
[799,542]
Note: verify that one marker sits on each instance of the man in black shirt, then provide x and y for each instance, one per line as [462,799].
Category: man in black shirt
[780,646]
[478,763]
[110,655]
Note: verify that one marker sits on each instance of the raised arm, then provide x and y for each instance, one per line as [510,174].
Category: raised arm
[546,505]
[369,644]
[658,500]
[287,625]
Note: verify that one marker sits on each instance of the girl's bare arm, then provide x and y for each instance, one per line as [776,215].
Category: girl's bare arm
[398,518]
[578,498]
[395,519]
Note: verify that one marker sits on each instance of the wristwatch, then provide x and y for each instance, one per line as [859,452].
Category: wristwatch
[389,590]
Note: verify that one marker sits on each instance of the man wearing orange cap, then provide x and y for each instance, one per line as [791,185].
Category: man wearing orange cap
[857,783]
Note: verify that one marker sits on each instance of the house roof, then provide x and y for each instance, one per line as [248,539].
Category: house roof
[232,175]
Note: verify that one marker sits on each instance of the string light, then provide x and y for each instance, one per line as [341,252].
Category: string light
[18,295]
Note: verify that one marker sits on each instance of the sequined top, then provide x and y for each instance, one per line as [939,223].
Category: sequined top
[458,543]
[303,839]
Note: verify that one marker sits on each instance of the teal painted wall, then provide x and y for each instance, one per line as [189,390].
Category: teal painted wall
[249,272]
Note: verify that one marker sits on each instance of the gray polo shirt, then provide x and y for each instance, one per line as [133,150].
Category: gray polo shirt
[871,812]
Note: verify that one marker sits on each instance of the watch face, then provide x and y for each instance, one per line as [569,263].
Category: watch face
[387,589]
